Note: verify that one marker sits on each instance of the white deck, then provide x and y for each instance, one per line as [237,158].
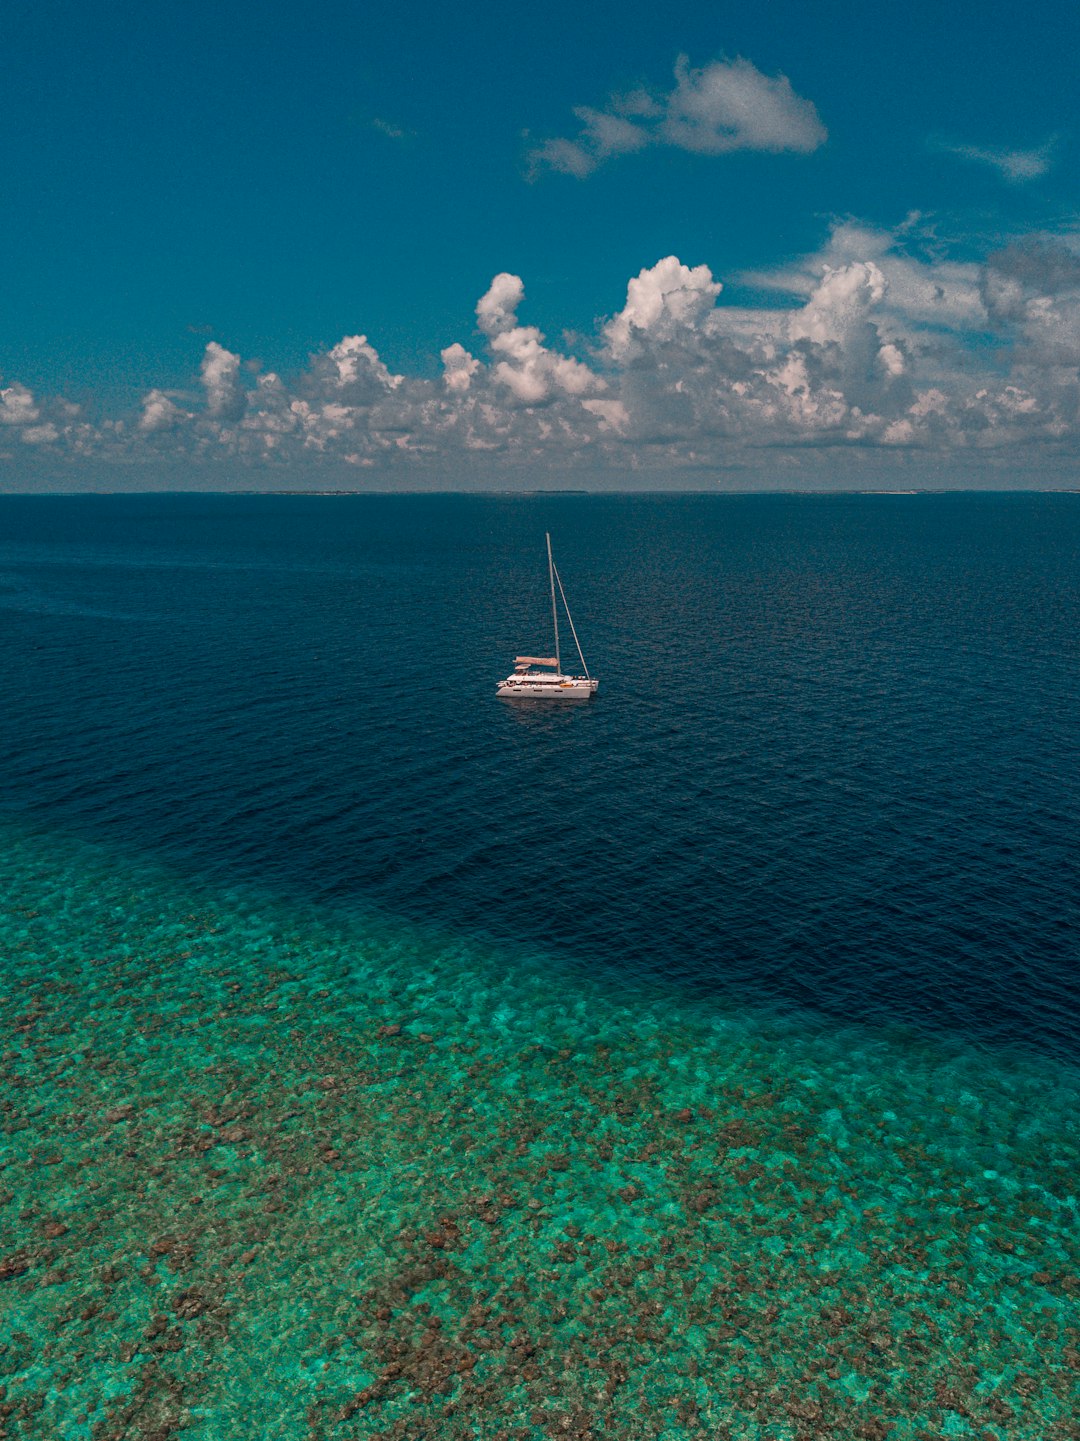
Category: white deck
[534,685]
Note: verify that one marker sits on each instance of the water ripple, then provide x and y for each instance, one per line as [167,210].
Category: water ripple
[831,762]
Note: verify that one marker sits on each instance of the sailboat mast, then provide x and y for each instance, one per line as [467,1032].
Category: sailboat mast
[554,610]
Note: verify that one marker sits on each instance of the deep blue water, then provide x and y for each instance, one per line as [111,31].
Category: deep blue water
[832,763]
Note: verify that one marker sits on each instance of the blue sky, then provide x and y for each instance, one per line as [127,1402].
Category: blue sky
[270,181]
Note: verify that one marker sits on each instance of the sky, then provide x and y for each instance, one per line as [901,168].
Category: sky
[420,247]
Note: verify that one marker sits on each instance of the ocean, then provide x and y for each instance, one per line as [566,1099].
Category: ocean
[383,1059]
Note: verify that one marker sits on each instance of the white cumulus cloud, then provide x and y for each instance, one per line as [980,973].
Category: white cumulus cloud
[661,300]
[17,405]
[159,412]
[459,367]
[225,396]
[531,372]
[725,106]
[731,105]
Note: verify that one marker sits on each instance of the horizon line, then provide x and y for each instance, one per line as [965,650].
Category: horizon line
[501,494]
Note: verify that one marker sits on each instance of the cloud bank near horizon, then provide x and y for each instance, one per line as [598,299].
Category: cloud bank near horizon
[874,343]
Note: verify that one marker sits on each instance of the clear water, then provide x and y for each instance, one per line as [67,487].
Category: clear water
[381,1059]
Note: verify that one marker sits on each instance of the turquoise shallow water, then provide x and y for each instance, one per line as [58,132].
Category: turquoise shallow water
[276,1171]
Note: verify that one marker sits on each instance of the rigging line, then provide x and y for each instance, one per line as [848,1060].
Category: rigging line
[570,618]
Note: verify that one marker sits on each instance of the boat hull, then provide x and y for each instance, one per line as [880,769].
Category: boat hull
[566,687]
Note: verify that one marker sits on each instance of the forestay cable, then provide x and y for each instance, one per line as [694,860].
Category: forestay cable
[570,618]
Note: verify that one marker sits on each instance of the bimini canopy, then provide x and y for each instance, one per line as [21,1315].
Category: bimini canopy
[535,660]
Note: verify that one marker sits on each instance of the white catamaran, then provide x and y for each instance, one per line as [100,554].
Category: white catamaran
[527,683]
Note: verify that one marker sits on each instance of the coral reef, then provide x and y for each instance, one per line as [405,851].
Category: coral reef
[269,1173]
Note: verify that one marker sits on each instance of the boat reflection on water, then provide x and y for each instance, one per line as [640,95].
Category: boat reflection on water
[545,715]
